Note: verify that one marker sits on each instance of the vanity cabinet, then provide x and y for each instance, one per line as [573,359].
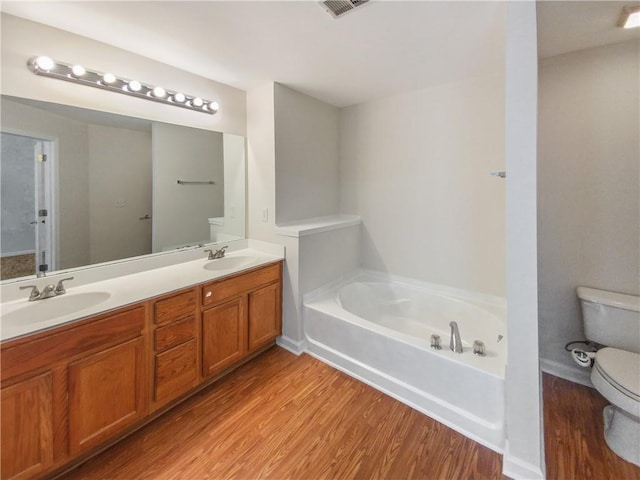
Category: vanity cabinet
[240,315]
[175,346]
[65,392]
[27,427]
[106,393]
[69,391]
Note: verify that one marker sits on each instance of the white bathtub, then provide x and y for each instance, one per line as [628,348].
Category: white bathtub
[377,328]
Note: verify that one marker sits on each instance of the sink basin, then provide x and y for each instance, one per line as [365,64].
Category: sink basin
[50,308]
[228,263]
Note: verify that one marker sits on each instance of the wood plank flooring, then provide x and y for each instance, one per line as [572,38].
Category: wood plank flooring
[288,417]
[574,435]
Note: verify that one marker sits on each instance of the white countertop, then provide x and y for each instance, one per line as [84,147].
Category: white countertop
[122,290]
[311,226]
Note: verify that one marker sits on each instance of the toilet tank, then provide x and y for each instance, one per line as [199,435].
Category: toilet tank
[611,319]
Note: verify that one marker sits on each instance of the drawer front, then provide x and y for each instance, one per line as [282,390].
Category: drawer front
[175,371]
[110,329]
[224,289]
[175,308]
[175,334]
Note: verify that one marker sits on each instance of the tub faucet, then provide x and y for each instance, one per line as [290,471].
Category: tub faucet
[455,343]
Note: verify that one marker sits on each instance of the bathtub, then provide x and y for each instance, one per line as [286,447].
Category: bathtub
[377,328]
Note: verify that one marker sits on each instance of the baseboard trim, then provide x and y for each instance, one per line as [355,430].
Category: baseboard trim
[575,374]
[294,346]
[518,469]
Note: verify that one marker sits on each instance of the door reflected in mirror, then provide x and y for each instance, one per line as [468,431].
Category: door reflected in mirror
[81,187]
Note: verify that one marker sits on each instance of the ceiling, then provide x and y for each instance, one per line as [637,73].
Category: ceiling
[569,26]
[380,49]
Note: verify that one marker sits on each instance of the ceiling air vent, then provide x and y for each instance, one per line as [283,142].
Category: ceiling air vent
[337,8]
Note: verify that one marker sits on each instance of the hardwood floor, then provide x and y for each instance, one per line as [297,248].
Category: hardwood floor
[288,417]
[573,431]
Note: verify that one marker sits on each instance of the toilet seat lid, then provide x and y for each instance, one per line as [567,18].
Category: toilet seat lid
[621,369]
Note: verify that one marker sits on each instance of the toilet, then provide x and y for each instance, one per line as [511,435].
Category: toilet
[613,321]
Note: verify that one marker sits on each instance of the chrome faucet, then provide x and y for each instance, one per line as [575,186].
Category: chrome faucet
[455,343]
[217,254]
[47,292]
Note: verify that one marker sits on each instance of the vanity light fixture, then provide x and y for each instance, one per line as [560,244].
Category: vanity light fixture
[630,17]
[78,70]
[47,67]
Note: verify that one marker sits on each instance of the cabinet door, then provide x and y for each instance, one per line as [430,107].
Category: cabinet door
[264,315]
[175,372]
[224,335]
[27,427]
[106,393]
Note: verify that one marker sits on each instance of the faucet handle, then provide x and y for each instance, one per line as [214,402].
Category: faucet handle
[35,293]
[60,287]
[210,257]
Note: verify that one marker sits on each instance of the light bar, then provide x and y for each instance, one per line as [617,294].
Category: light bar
[47,67]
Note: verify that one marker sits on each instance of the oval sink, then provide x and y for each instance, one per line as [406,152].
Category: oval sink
[228,263]
[50,308]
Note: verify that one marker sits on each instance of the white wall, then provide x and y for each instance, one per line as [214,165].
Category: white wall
[120,193]
[327,256]
[261,195]
[306,146]
[235,180]
[524,449]
[22,39]
[416,167]
[588,188]
[181,212]
[72,172]
[314,260]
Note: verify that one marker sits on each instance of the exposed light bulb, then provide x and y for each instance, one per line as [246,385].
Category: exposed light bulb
[78,70]
[134,86]
[44,63]
[159,92]
[633,20]
[47,67]
[108,78]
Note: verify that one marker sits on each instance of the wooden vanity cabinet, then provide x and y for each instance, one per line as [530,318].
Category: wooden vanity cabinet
[71,390]
[66,392]
[175,346]
[240,315]
[27,427]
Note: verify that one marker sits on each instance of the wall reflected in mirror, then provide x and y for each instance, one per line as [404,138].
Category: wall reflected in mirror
[81,187]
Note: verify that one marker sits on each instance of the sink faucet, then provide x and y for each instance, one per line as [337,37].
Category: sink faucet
[47,292]
[217,254]
[455,343]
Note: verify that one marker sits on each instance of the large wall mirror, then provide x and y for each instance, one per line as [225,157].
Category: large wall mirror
[81,187]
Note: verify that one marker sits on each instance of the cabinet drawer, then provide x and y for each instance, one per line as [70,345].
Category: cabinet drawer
[175,334]
[224,289]
[54,347]
[176,371]
[175,308]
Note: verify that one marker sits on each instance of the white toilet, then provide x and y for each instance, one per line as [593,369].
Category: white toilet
[613,320]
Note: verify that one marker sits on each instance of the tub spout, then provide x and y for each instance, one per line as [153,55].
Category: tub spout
[455,343]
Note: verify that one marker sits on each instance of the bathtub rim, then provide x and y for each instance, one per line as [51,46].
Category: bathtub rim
[484,299]
[325,299]
[327,305]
